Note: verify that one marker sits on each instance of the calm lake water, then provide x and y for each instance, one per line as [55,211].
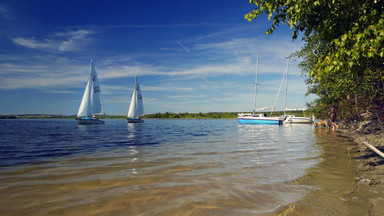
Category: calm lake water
[173,167]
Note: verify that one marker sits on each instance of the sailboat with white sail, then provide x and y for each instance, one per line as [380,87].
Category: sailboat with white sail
[261,118]
[292,119]
[92,104]
[136,109]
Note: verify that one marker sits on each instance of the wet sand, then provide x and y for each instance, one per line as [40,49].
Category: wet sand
[349,180]
[370,168]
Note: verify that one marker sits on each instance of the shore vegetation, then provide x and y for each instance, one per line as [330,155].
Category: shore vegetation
[343,52]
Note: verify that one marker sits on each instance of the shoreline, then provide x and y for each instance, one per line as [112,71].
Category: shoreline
[369,176]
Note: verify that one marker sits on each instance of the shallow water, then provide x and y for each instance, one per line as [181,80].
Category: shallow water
[171,167]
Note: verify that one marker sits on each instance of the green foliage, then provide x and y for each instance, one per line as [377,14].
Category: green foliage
[343,55]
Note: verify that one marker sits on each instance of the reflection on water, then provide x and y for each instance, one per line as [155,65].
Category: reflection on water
[162,167]
[332,180]
[134,132]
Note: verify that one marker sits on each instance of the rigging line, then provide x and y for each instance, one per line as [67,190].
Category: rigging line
[257,68]
[281,84]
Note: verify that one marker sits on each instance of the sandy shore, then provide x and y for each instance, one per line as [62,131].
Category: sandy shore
[370,170]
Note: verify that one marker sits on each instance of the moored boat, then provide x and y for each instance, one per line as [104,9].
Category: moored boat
[261,118]
[293,119]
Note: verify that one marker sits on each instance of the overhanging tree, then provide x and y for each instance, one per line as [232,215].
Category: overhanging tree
[343,54]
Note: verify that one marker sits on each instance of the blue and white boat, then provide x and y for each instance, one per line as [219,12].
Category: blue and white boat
[136,109]
[261,118]
[92,103]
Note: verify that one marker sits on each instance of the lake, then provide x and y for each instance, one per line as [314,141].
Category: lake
[173,167]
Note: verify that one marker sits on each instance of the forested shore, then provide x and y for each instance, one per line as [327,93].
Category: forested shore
[342,56]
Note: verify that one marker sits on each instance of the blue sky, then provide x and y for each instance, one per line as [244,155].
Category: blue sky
[190,56]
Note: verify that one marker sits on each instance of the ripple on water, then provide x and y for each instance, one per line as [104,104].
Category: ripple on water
[165,167]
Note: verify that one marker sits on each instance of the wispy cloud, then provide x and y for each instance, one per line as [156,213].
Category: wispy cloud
[182,46]
[5,13]
[241,67]
[223,32]
[69,72]
[35,44]
[249,46]
[167,88]
[115,89]
[36,83]
[272,53]
[126,70]
[40,72]
[61,41]
[179,85]
[141,26]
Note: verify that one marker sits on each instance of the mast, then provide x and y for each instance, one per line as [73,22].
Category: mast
[254,96]
[286,88]
[281,85]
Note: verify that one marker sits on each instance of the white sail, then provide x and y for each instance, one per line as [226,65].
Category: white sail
[92,103]
[136,108]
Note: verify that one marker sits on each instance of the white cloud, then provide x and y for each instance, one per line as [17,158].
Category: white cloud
[38,82]
[270,50]
[41,72]
[238,66]
[33,43]
[119,71]
[63,72]
[177,81]
[166,88]
[61,41]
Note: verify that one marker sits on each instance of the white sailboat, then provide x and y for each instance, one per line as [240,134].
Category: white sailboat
[261,118]
[292,119]
[136,109]
[91,104]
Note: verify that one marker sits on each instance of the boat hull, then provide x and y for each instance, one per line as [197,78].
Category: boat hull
[263,121]
[135,120]
[82,121]
[298,120]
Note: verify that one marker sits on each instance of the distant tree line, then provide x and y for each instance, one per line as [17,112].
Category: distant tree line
[166,115]
[212,115]
[186,115]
